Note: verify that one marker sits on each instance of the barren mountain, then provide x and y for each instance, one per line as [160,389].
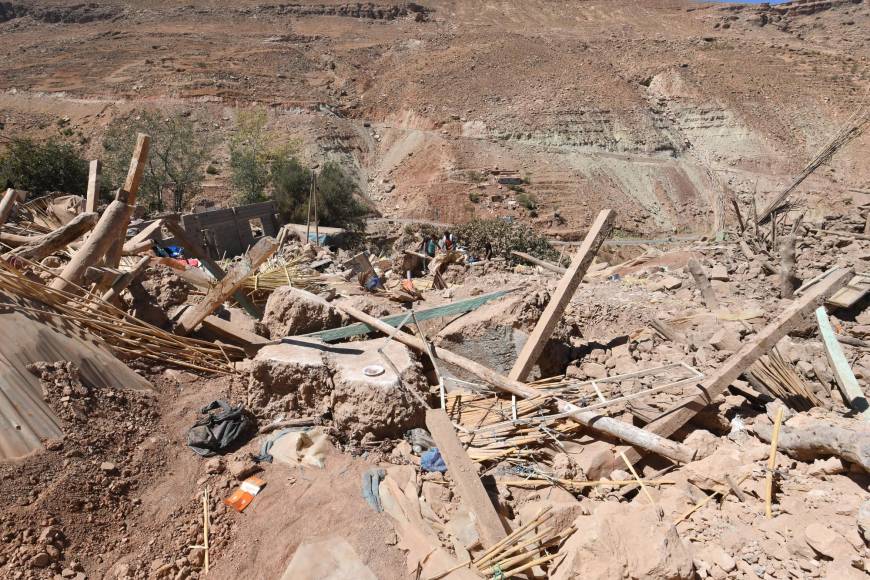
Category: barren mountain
[654,108]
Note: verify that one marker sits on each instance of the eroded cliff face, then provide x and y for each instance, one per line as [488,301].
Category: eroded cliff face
[545,112]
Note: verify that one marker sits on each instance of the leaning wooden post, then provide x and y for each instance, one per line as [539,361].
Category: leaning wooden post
[93,197]
[193,248]
[8,202]
[47,244]
[127,194]
[234,278]
[564,291]
[703,284]
[109,229]
[716,383]
[607,425]
[846,380]
[126,279]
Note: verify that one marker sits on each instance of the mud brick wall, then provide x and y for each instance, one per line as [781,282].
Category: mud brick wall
[230,232]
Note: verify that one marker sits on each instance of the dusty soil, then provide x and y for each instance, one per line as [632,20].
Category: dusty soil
[649,109]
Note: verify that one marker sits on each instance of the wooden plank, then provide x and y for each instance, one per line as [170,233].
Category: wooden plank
[234,278]
[716,383]
[613,427]
[852,393]
[93,196]
[226,330]
[463,471]
[193,248]
[562,296]
[541,263]
[452,309]
[854,291]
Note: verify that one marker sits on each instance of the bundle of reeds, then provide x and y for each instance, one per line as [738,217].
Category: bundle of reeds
[529,546]
[279,272]
[125,335]
[488,430]
[774,374]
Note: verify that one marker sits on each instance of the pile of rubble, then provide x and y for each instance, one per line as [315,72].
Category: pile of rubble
[692,413]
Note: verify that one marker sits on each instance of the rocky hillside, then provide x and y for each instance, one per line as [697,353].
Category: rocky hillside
[449,109]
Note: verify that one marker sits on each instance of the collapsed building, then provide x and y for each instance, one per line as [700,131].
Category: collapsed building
[692,411]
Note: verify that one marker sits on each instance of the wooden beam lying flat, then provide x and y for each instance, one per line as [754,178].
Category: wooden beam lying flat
[541,263]
[234,278]
[716,383]
[463,471]
[562,296]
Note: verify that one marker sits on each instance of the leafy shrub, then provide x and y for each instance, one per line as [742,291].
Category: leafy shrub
[527,201]
[474,197]
[43,167]
[211,169]
[505,237]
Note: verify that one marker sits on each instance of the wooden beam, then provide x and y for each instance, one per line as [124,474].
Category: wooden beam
[715,384]
[607,425]
[93,197]
[463,471]
[234,278]
[703,284]
[49,243]
[126,279]
[541,263]
[193,248]
[145,234]
[137,167]
[562,296]
[10,198]
[852,393]
[108,230]
[226,330]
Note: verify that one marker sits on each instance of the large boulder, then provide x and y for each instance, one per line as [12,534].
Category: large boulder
[624,541]
[309,377]
[292,311]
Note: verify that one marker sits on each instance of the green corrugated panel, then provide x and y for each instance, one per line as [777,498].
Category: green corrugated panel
[452,309]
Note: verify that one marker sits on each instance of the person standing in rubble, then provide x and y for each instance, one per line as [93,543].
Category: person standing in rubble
[430,246]
[487,250]
[447,242]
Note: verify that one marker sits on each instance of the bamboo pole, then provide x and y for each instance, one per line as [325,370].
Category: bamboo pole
[771,464]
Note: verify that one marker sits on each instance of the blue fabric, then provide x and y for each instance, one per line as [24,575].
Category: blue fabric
[432,461]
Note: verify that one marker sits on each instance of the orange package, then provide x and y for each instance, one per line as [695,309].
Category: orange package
[244,494]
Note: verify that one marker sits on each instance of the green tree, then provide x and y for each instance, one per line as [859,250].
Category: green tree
[253,149]
[337,206]
[291,187]
[176,158]
[43,167]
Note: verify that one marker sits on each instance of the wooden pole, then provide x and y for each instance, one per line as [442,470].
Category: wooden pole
[613,427]
[49,243]
[771,465]
[193,248]
[126,279]
[464,473]
[93,197]
[8,202]
[562,296]
[128,193]
[543,264]
[108,230]
[846,380]
[234,278]
[703,284]
[716,383]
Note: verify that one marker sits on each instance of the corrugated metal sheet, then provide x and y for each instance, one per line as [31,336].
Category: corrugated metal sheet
[25,418]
